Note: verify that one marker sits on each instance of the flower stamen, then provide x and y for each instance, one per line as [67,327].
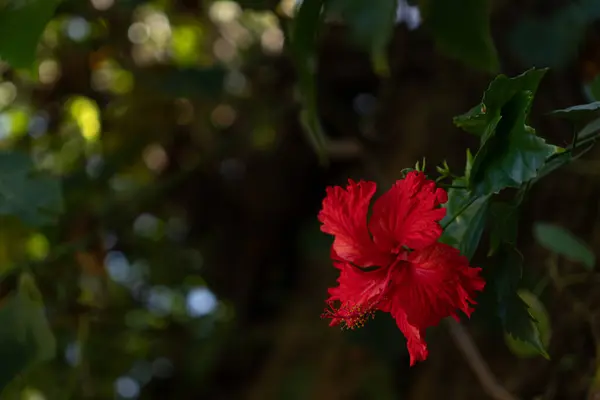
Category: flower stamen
[349,316]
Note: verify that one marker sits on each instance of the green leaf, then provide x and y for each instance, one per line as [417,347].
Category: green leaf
[530,329]
[553,164]
[589,129]
[504,219]
[594,88]
[564,243]
[465,218]
[482,119]
[578,112]
[475,121]
[22,23]
[25,336]
[461,29]
[520,326]
[362,16]
[303,44]
[30,196]
[510,153]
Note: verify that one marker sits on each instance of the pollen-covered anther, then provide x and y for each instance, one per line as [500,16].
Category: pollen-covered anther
[349,316]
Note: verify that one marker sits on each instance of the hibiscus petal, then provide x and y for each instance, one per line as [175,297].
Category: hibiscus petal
[408,214]
[415,341]
[344,215]
[359,294]
[433,284]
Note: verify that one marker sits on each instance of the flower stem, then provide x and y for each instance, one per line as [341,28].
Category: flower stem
[576,145]
[480,368]
[574,141]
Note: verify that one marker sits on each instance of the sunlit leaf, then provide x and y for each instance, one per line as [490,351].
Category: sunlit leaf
[25,336]
[561,241]
[21,25]
[462,29]
[34,198]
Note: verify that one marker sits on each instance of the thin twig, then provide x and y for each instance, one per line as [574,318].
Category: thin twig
[467,346]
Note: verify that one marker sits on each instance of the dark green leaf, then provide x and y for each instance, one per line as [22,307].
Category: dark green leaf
[530,326]
[503,89]
[589,129]
[25,336]
[563,242]
[465,230]
[594,88]
[513,311]
[371,24]
[510,152]
[462,29]
[482,119]
[21,25]
[504,218]
[303,43]
[474,121]
[553,164]
[30,196]
[576,113]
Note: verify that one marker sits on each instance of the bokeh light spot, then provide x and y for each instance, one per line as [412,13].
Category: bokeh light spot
[37,246]
[8,93]
[127,387]
[272,40]
[160,300]
[155,157]
[32,394]
[224,11]
[86,114]
[223,116]
[48,71]
[73,354]
[201,301]
[102,5]
[138,32]
[77,28]
[117,266]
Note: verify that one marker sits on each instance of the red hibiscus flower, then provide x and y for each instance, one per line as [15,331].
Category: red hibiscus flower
[394,263]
